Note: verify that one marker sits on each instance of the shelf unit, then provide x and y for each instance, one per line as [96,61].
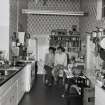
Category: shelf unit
[70,42]
[53,12]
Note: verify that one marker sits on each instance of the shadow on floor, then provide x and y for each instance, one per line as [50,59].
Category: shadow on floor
[42,95]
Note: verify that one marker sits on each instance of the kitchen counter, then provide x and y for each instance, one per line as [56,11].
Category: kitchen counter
[5,78]
[14,85]
[11,71]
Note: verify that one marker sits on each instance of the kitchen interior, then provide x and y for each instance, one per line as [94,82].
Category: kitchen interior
[29,27]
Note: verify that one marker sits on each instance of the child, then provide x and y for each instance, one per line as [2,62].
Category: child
[49,63]
[60,63]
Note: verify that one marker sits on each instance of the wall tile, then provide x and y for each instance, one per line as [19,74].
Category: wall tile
[43,24]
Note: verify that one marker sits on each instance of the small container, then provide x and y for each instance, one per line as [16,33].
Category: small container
[6,72]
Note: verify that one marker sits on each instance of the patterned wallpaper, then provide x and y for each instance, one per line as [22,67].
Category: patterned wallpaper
[89,23]
[43,24]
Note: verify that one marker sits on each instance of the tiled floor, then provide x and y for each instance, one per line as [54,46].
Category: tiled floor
[42,95]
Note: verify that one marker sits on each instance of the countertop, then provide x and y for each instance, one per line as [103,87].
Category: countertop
[12,71]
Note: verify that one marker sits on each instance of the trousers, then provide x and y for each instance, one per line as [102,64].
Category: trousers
[48,70]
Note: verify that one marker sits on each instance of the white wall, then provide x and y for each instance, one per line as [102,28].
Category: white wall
[4,25]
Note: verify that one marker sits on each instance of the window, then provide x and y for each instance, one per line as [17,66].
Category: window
[4,26]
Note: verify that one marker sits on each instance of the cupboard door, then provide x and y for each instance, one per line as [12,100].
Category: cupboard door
[13,95]
[21,87]
[5,100]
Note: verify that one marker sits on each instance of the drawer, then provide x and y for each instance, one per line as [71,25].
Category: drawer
[5,100]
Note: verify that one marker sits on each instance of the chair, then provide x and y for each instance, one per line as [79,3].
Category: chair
[73,96]
[61,76]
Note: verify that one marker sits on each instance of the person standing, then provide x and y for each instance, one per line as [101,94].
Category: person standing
[49,63]
[60,63]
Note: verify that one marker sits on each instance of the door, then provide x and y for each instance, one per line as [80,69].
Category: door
[43,45]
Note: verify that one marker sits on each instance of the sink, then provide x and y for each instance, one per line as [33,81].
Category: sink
[2,77]
[20,63]
[6,72]
[3,73]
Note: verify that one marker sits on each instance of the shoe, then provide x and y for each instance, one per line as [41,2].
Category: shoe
[62,95]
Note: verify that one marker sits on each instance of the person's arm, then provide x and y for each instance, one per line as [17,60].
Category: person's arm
[65,60]
[55,60]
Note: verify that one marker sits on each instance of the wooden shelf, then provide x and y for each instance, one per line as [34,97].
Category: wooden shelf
[66,41]
[65,35]
[52,12]
[74,47]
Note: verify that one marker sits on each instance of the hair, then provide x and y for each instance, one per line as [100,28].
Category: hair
[52,48]
[63,49]
[60,47]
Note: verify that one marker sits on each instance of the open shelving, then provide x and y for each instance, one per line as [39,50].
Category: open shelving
[70,42]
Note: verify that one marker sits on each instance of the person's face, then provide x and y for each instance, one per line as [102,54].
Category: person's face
[51,51]
[59,51]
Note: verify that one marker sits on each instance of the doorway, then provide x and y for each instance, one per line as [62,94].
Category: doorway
[42,47]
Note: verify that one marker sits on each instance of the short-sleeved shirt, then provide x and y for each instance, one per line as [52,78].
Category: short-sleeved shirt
[61,59]
[49,59]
